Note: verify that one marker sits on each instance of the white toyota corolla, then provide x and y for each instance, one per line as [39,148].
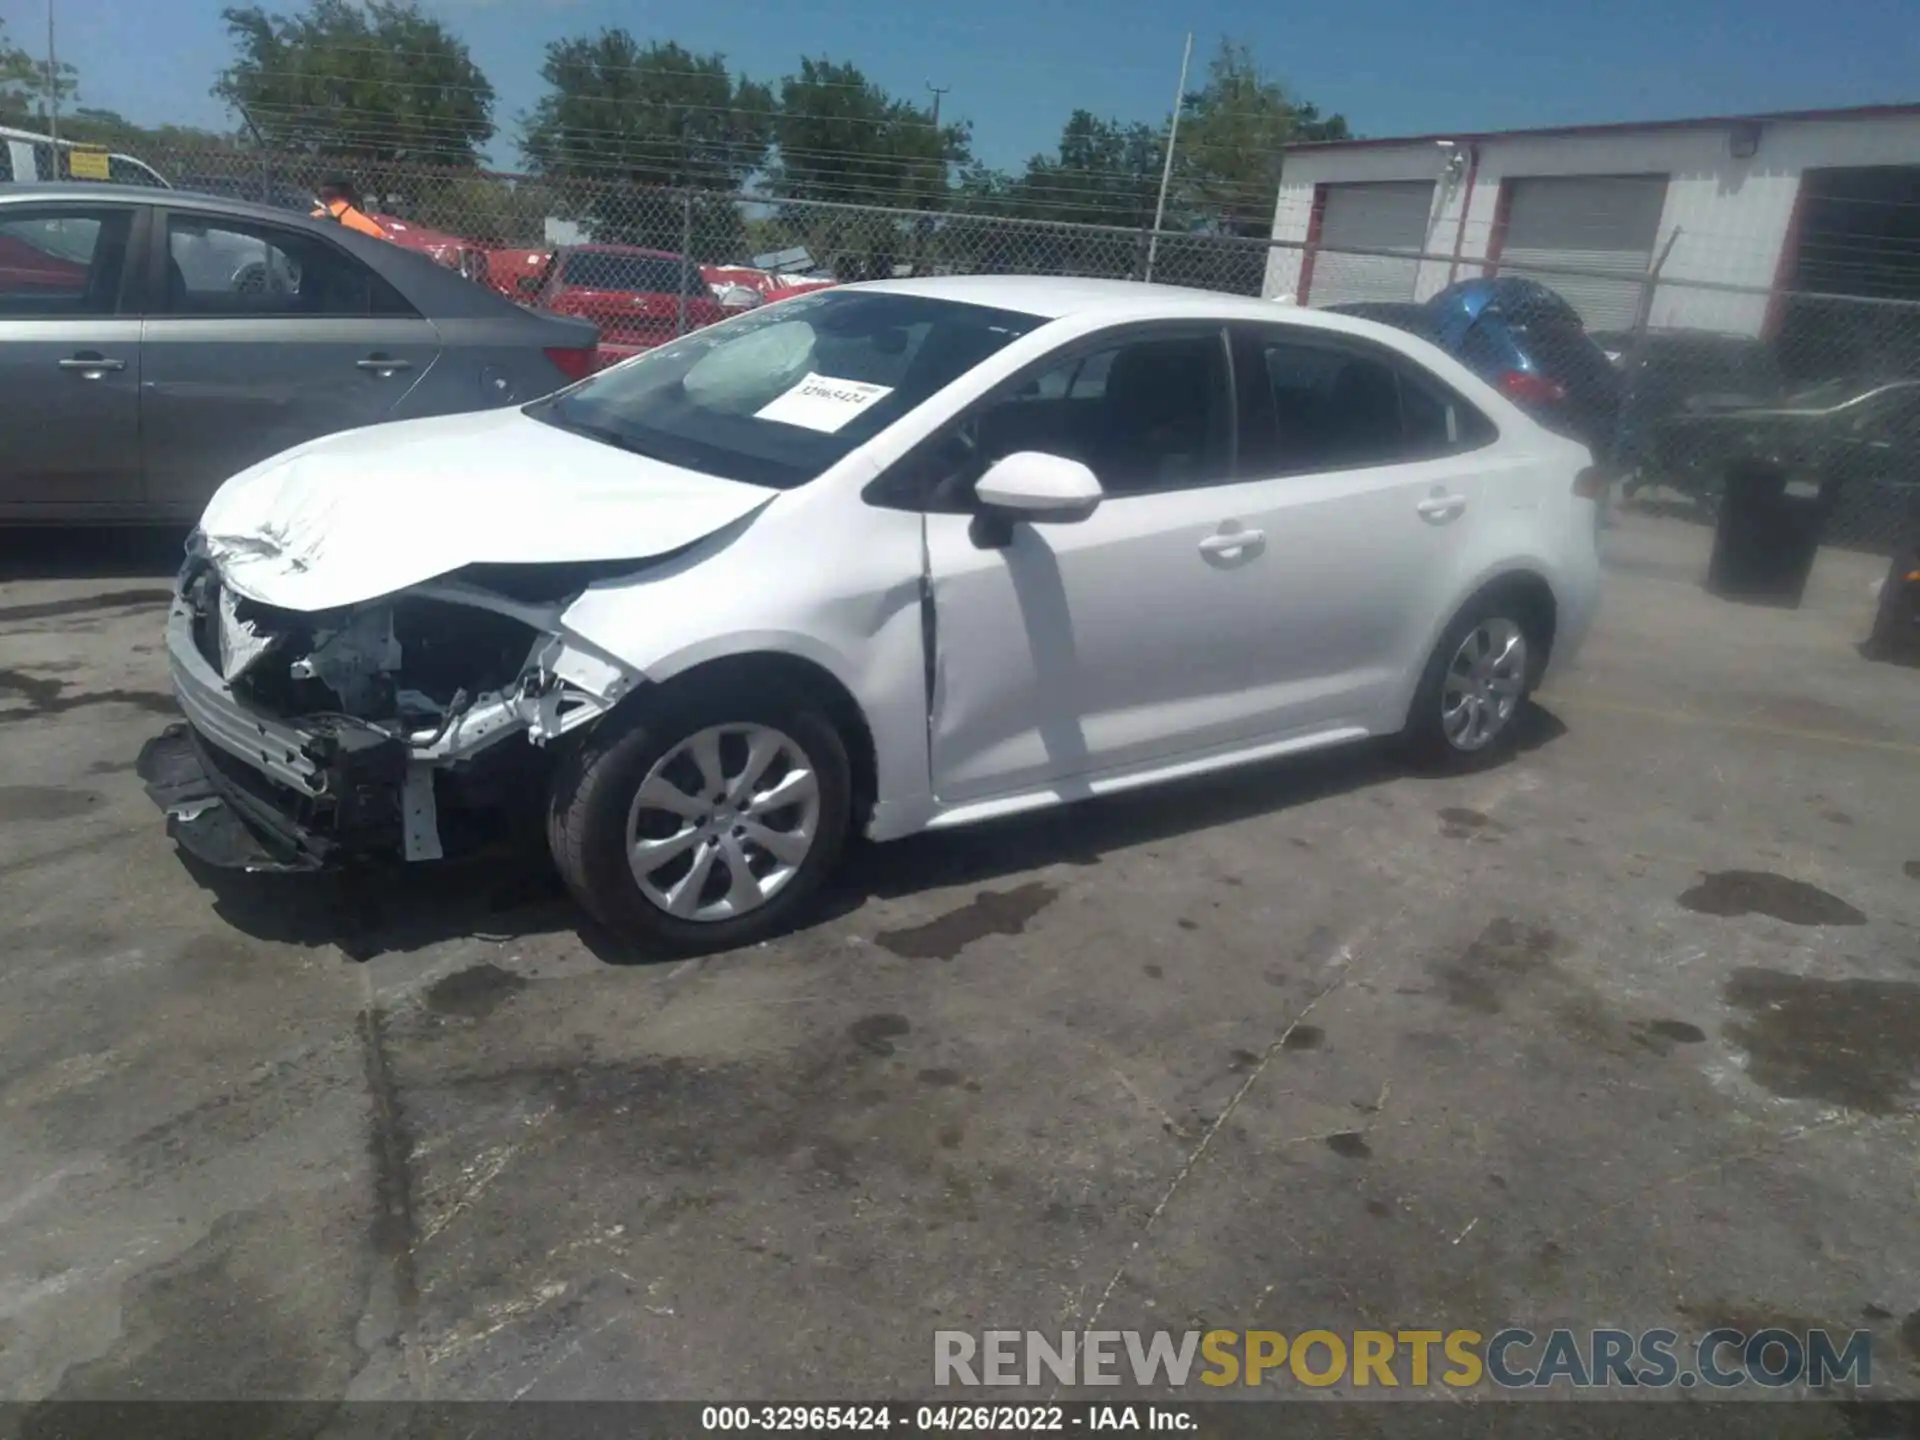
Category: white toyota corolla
[891,557]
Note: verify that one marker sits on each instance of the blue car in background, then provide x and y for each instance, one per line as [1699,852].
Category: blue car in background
[1525,341]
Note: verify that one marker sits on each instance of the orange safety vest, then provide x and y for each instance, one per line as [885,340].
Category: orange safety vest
[345,214]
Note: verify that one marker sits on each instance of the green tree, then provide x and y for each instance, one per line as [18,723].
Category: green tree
[1102,173]
[621,121]
[842,137]
[369,85]
[23,83]
[1232,134]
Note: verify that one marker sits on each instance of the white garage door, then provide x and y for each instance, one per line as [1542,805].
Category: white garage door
[1388,215]
[1605,225]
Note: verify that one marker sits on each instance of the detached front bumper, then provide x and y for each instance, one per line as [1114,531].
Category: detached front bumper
[245,790]
[213,819]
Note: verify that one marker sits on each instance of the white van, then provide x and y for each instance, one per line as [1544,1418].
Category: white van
[26,157]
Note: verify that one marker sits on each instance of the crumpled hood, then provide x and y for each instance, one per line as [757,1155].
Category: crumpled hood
[361,514]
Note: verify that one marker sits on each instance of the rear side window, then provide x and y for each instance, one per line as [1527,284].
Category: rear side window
[1309,406]
[244,269]
[61,262]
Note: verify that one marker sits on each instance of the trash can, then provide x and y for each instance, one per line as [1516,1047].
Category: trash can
[1767,534]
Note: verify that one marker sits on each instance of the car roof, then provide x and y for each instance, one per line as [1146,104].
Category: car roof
[436,291]
[147,195]
[1056,297]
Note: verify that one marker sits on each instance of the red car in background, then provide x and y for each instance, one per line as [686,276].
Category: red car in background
[769,285]
[438,246]
[635,296]
[506,268]
[27,269]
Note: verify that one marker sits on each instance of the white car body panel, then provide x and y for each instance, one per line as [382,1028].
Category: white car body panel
[365,513]
[1133,646]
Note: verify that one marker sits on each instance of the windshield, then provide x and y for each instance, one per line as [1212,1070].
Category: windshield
[610,270]
[775,396]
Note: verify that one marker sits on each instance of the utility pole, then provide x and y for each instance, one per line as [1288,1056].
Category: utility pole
[1166,173]
[53,96]
[938,91]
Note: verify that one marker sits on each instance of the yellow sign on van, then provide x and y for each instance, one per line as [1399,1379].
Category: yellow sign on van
[87,164]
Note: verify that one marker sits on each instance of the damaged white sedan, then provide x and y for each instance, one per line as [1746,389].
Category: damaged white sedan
[887,557]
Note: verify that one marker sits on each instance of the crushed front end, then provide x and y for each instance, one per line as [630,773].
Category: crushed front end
[373,731]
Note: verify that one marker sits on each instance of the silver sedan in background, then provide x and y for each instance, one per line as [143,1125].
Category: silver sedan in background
[152,343]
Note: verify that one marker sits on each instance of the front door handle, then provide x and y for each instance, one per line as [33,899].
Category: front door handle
[383,364]
[1441,508]
[1230,543]
[92,364]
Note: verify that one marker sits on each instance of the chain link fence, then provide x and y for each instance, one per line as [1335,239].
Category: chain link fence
[1715,377]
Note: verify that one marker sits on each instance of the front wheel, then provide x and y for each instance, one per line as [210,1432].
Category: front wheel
[706,826]
[1473,689]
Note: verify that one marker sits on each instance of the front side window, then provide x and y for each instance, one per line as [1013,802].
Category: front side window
[61,262]
[241,269]
[777,395]
[1150,415]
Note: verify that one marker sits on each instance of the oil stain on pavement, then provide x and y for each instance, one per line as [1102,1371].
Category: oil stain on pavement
[475,992]
[1845,1042]
[991,912]
[1760,892]
[1505,954]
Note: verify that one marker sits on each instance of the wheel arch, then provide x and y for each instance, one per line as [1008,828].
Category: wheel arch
[1539,613]
[790,672]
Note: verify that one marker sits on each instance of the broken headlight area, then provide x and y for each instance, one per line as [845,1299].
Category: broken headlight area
[442,667]
[378,727]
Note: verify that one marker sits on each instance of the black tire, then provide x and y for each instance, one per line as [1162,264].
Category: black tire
[593,790]
[1424,740]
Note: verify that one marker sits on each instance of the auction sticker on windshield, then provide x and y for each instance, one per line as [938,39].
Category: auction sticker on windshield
[820,402]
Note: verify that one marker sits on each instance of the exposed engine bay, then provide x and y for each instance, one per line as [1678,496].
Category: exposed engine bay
[379,725]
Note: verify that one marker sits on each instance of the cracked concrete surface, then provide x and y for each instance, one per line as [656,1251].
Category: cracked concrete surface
[1319,1045]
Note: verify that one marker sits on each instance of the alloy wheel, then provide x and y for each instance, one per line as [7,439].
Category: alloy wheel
[1484,684]
[723,821]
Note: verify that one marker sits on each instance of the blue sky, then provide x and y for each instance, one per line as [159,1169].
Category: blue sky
[1016,67]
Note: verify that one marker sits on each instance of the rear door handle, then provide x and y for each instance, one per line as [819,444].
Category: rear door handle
[384,364]
[1232,542]
[91,364]
[1441,508]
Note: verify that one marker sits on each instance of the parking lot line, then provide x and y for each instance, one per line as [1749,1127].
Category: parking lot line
[1576,699]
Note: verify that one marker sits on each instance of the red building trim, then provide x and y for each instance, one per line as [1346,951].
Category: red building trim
[1497,236]
[1858,112]
[1788,263]
[1316,217]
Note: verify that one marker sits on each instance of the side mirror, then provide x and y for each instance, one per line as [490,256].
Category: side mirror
[1031,485]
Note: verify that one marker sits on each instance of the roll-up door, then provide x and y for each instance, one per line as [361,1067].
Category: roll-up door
[1603,227]
[1384,215]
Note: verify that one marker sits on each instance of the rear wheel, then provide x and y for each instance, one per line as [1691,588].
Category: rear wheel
[706,826]
[1474,687]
